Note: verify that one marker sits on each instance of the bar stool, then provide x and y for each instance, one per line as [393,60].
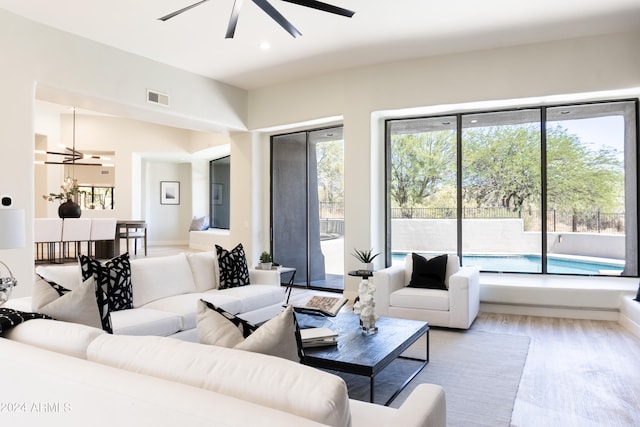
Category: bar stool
[136,231]
[47,234]
[75,231]
[102,229]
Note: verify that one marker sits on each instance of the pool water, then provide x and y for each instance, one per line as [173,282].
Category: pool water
[533,264]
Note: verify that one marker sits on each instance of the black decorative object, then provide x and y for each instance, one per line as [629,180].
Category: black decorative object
[637,298]
[69,209]
[269,10]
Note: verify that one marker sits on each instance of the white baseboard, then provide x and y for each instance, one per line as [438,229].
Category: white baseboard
[549,311]
[630,325]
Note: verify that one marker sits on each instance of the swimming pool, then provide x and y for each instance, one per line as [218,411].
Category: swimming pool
[533,264]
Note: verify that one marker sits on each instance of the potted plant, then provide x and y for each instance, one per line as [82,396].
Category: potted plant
[68,207]
[266,260]
[366,257]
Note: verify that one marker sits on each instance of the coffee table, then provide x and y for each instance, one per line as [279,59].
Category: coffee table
[366,355]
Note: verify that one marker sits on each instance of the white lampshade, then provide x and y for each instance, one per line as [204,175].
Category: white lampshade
[11,228]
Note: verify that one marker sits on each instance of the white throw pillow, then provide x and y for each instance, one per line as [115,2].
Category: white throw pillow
[76,306]
[277,337]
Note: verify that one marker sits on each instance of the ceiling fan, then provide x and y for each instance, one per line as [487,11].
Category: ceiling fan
[271,11]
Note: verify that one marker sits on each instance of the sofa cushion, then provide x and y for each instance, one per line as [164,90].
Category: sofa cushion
[161,277]
[186,305]
[114,277]
[80,305]
[144,321]
[430,299]
[428,273]
[62,337]
[253,297]
[204,267]
[265,380]
[233,267]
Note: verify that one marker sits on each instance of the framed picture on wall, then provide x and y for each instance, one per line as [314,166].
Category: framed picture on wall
[217,194]
[169,192]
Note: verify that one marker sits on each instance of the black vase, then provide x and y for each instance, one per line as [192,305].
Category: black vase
[69,209]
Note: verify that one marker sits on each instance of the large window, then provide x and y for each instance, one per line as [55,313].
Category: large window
[534,190]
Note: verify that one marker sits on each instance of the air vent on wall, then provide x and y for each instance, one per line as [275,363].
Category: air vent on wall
[104,172]
[158,98]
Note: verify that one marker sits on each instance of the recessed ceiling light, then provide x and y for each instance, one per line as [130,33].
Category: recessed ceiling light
[265,46]
[474,121]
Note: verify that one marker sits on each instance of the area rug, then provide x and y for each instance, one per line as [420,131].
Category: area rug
[479,371]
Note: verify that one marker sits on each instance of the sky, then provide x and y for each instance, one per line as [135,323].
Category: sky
[599,131]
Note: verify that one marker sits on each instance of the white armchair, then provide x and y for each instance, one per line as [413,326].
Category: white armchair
[456,307]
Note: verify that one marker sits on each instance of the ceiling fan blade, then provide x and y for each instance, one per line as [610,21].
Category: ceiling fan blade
[233,20]
[178,12]
[276,16]
[323,6]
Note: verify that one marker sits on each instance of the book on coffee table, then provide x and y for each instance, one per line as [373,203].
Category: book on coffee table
[328,306]
[317,337]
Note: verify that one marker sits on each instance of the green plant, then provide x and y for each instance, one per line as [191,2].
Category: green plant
[365,256]
[69,190]
[265,257]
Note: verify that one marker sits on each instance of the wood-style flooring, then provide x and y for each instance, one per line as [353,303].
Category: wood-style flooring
[578,373]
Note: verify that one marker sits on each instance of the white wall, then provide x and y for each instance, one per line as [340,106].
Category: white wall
[167,224]
[75,71]
[543,73]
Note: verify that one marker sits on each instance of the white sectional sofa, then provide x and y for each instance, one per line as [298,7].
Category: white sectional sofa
[166,291]
[59,373]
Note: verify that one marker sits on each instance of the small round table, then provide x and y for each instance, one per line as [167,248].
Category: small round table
[365,274]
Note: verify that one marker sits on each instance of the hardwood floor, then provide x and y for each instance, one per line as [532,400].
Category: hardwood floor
[578,372]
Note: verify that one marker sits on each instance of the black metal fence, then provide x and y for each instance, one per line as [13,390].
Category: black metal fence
[557,221]
[332,218]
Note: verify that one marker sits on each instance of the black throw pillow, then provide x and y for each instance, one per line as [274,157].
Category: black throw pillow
[10,318]
[114,277]
[430,273]
[233,267]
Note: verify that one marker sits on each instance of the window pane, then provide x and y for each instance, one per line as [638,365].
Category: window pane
[501,191]
[586,189]
[422,185]
[220,177]
[326,207]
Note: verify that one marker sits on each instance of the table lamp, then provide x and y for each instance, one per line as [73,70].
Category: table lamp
[11,237]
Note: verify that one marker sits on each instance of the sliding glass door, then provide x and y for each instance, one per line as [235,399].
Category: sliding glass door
[307,206]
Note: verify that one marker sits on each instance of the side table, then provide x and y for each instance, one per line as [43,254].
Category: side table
[289,283]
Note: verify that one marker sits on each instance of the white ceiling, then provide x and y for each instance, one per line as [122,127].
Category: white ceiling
[380,31]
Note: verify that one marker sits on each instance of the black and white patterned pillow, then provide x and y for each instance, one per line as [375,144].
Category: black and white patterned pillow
[233,267]
[246,328]
[10,318]
[101,301]
[114,277]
